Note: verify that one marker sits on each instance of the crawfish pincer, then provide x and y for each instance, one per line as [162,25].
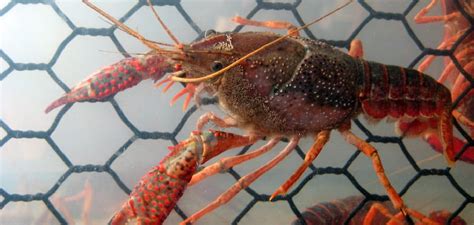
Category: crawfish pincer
[158,191]
[117,77]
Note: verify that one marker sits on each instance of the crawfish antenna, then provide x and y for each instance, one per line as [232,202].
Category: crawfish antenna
[237,62]
[178,44]
[122,26]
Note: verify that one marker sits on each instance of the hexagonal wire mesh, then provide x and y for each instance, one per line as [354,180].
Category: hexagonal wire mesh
[115,142]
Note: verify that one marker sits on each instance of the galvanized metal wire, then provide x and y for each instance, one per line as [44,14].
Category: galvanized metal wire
[172,136]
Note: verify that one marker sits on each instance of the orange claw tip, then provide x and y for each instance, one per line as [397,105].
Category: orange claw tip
[168,86]
[186,102]
[278,192]
[178,95]
[274,195]
[237,19]
[450,162]
[59,102]
[158,84]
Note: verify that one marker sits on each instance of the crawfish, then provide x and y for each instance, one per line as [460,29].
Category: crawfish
[336,212]
[283,87]
[158,191]
[457,32]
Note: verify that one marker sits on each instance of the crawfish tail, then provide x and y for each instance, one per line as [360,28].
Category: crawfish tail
[397,92]
[115,78]
[417,101]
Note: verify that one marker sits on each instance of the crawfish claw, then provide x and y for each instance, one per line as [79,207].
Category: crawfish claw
[158,191]
[115,78]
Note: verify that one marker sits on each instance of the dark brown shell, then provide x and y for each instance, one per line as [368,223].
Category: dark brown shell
[298,86]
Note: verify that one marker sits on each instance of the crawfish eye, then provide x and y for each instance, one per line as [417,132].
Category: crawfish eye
[216,66]
[209,33]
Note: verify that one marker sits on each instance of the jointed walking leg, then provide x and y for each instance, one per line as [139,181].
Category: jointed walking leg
[320,140]
[229,162]
[244,182]
[371,152]
[211,117]
[269,24]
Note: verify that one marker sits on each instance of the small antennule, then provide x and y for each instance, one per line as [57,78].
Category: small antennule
[176,41]
[235,63]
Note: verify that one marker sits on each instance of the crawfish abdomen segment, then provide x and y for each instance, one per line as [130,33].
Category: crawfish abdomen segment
[399,93]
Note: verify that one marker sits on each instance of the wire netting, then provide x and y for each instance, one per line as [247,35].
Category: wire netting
[257,197]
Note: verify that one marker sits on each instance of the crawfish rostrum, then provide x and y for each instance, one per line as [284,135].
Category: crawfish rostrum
[282,87]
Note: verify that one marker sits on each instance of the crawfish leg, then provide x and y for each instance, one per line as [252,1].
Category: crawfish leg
[292,29]
[442,46]
[451,67]
[422,18]
[229,162]
[209,116]
[243,182]
[429,60]
[420,217]
[320,140]
[375,209]
[371,152]
[464,120]
[356,50]
[461,83]
[448,70]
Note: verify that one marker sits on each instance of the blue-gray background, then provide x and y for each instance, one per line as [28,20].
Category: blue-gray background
[34,35]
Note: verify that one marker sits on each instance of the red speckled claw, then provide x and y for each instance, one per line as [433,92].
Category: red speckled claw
[115,78]
[158,191]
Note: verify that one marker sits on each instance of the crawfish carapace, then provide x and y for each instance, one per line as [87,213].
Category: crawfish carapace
[277,93]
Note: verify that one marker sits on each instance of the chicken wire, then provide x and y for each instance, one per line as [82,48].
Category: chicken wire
[185,123]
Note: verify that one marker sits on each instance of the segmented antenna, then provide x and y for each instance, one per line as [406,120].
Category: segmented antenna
[149,43]
[168,31]
[237,62]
